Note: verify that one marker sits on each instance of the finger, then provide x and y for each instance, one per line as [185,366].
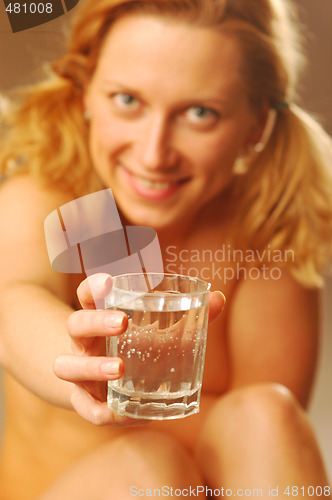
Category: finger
[98,412]
[87,368]
[84,325]
[94,288]
[217,301]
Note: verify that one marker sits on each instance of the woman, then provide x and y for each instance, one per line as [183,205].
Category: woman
[185,109]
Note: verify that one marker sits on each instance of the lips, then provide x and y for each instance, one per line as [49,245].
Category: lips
[154,184]
[151,189]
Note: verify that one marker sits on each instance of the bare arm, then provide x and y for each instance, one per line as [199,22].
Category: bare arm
[35,301]
[36,313]
[273,329]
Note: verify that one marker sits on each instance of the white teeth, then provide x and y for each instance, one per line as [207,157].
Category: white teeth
[154,185]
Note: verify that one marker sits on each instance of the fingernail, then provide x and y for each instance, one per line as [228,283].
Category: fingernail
[224,297]
[114,320]
[111,367]
[99,280]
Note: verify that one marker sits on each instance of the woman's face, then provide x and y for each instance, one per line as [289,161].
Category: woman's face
[169,115]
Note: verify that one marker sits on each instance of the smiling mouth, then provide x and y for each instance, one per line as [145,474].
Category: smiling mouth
[158,184]
[153,190]
[155,184]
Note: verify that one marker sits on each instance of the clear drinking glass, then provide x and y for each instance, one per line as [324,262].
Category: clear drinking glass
[163,347]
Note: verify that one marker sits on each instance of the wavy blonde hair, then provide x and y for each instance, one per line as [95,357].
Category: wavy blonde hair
[285,199]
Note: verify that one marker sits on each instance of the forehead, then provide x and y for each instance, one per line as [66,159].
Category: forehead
[147,48]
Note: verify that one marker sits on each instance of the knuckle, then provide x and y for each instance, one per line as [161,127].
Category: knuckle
[97,415]
[85,322]
[96,320]
[57,366]
[72,321]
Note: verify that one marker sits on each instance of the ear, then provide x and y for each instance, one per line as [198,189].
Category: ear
[267,132]
[262,129]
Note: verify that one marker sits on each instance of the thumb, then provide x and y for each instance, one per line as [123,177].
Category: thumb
[217,301]
[93,289]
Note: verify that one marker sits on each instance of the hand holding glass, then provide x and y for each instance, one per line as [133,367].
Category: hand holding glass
[163,347]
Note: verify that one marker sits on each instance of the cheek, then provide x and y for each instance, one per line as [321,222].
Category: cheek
[105,136]
[214,159]
[218,153]
[223,145]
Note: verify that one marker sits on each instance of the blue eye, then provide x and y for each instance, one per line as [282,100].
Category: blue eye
[126,101]
[200,115]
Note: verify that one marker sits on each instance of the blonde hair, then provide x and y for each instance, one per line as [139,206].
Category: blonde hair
[285,199]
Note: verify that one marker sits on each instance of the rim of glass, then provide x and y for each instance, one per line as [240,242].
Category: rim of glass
[206,284]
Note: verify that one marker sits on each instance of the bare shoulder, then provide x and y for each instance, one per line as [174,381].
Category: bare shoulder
[272,291]
[24,205]
[23,193]
[283,301]
[274,333]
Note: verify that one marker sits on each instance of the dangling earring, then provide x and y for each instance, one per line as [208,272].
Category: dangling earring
[240,166]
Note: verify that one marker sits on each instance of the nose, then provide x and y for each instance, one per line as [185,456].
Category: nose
[155,149]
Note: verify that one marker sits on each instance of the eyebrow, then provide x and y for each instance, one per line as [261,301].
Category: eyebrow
[121,86]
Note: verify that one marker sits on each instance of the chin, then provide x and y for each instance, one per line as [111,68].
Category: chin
[158,220]
[159,216]
[156,223]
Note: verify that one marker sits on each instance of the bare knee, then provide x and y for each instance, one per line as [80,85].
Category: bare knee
[255,429]
[266,407]
[265,416]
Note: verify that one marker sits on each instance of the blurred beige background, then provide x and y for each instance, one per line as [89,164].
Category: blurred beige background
[21,57]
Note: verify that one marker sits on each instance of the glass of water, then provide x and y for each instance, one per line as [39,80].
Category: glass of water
[163,347]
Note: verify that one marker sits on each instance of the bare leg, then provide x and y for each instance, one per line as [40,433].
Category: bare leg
[138,461]
[259,439]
